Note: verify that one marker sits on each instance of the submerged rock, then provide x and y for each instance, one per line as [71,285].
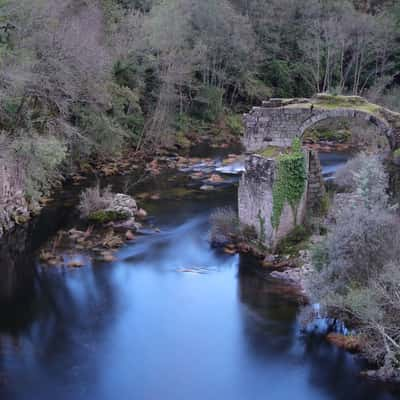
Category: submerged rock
[207,188]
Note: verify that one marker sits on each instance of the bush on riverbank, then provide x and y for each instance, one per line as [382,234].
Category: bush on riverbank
[94,199]
[101,206]
[357,267]
[365,176]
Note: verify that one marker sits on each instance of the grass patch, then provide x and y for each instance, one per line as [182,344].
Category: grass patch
[332,102]
[273,151]
[338,100]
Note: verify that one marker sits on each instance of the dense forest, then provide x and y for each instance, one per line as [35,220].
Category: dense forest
[82,78]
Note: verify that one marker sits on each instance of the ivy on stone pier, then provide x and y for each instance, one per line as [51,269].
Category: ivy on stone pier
[290,182]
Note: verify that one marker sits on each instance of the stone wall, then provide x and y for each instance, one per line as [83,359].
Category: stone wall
[256,200]
[316,188]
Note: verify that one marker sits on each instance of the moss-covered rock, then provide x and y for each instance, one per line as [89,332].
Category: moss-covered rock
[105,216]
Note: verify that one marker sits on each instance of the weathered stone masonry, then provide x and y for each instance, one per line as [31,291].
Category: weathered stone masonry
[256,199]
[279,125]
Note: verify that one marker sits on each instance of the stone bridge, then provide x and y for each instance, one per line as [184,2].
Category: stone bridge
[275,125]
[278,121]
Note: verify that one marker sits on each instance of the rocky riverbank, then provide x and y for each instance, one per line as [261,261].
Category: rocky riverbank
[16,210]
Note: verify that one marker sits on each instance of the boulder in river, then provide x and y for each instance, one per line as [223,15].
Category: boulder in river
[120,207]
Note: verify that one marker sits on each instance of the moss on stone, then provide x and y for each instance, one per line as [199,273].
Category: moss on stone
[273,151]
[105,216]
[340,100]
[332,102]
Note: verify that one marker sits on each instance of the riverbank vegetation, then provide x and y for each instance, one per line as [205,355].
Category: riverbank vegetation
[357,274]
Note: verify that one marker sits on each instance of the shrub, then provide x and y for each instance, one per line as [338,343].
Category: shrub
[40,157]
[93,200]
[357,267]
[357,279]
[103,134]
[320,255]
[235,124]
[224,225]
[291,243]
[208,104]
[365,176]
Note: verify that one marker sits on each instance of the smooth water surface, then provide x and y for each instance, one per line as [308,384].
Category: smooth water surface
[170,319]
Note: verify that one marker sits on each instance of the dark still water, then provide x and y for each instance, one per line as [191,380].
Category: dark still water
[170,319]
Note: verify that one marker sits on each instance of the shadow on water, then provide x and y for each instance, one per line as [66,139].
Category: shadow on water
[171,318]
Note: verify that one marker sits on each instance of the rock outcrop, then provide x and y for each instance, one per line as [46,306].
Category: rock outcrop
[14,209]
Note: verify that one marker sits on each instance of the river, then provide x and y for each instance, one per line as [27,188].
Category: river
[143,328]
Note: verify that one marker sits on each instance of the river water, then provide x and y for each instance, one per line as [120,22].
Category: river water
[143,328]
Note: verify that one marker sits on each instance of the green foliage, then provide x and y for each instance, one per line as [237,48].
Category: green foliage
[272,151]
[255,89]
[208,104]
[290,182]
[235,123]
[103,134]
[279,75]
[41,158]
[127,112]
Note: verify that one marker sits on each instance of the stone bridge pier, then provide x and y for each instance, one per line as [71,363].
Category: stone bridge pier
[256,201]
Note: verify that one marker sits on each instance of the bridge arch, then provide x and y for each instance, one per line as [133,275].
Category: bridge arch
[381,124]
